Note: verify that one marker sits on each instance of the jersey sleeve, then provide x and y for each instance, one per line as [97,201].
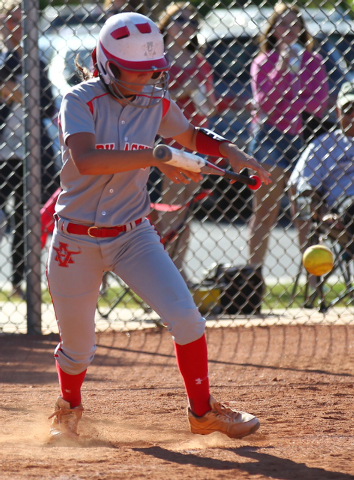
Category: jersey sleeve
[173,122]
[75,116]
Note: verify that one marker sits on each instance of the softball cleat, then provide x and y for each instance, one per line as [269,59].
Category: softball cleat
[222,419]
[65,421]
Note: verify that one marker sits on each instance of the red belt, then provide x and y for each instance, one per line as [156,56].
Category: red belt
[100,232]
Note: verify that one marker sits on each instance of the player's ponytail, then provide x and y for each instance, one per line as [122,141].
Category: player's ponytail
[84,72]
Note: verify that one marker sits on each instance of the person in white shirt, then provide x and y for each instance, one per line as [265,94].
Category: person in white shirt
[326,167]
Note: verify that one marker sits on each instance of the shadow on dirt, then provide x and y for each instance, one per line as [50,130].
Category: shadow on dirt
[27,359]
[268,465]
[317,350]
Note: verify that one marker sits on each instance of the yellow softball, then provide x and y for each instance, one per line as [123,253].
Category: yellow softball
[318,260]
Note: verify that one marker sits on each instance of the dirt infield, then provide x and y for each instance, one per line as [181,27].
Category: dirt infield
[298,380]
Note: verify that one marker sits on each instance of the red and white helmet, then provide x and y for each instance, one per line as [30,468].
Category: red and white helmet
[131,41]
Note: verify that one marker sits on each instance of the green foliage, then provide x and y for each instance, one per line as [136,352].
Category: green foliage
[276,297]
[279,296]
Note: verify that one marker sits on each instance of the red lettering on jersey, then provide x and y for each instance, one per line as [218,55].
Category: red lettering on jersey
[105,146]
[135,146]
[63,256]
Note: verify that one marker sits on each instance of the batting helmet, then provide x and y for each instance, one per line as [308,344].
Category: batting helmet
[133,42]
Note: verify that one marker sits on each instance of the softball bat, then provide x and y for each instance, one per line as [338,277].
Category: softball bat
[194,163]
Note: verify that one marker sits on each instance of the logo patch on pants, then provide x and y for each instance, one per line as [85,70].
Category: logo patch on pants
[63,256]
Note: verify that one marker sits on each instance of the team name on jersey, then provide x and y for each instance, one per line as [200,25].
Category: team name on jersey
[127,146]
[104,146]
[135,146]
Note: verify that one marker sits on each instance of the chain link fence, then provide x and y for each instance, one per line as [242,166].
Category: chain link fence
[240,251]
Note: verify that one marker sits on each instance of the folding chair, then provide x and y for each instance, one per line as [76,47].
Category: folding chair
[326,227]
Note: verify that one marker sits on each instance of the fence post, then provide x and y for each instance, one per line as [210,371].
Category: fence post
[31,79]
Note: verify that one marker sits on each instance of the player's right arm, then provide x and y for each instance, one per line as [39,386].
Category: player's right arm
[78,133]
[90,161]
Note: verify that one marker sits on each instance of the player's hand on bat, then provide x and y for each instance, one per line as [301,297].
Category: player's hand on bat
[179,175]
[240,160]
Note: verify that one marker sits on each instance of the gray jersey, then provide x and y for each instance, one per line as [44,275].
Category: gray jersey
[107,200]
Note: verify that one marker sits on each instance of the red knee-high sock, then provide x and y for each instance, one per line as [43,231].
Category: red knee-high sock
[70,386]
[192,360]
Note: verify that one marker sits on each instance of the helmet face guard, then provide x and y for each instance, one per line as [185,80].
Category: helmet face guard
[132,42]
[158,83]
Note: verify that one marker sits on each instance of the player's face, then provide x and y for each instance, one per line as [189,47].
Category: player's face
[125,84]
[130,83]
[133,82]
[138,78]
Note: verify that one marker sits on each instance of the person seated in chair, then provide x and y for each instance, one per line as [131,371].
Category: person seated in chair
[325,169]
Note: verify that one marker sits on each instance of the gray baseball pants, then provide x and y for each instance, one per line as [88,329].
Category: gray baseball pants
[75,267]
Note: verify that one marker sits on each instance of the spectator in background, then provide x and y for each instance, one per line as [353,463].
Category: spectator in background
[12,135]
[288,78]
[191,86]
[326,167]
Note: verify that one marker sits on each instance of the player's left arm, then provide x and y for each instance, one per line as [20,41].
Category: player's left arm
[207,142]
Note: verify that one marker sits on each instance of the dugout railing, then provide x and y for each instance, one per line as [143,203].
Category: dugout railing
[53,33]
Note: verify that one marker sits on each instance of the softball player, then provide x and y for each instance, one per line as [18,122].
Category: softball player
[108,124]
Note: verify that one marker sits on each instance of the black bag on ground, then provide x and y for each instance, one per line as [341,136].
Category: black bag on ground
[242,288]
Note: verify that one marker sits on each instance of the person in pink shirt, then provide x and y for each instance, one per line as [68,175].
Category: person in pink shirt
[288,78]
